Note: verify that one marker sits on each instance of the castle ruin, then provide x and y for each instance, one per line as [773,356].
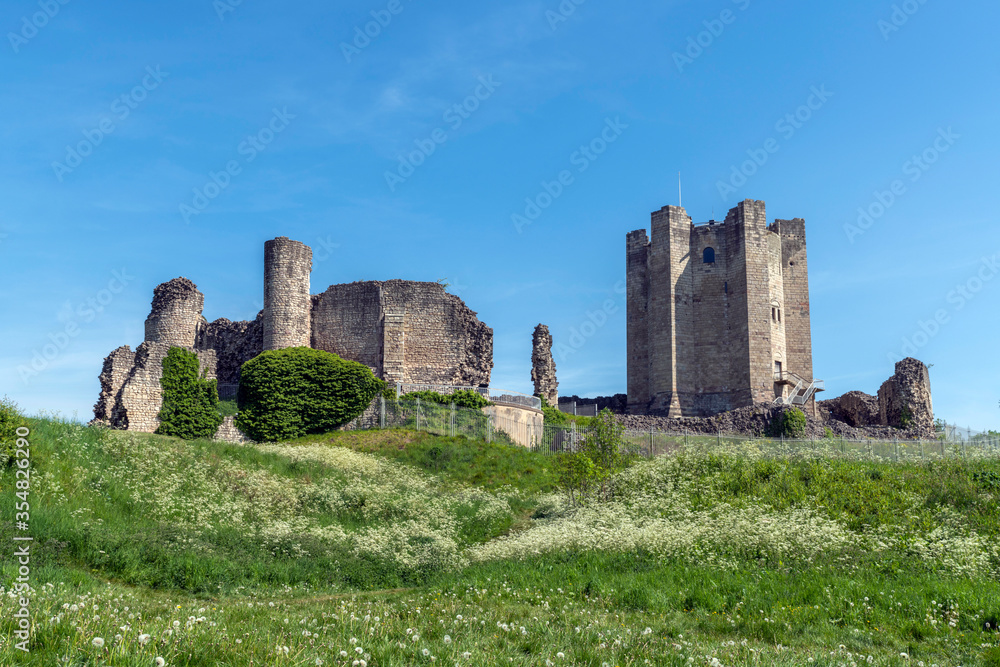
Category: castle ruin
[405,331]
[543,366]
[718,314]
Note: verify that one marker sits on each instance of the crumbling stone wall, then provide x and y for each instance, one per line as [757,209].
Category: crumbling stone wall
[287,303]
[234,343]
[117,368]
[904,400]
[543,366]
[854,408]
[137,403]
[405,331]
[175,314]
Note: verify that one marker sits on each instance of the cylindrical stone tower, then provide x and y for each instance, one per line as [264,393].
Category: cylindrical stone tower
[287,303]
[175,314]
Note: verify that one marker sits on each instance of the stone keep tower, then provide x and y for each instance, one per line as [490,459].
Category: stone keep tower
[718,313]
[287,303]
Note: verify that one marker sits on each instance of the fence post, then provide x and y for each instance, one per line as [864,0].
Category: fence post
[418,414]
[651,454]
[452,429]
[381,411]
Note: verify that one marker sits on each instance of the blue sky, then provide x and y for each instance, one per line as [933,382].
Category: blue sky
[115,114]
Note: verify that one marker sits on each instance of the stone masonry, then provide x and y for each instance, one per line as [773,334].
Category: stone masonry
[176,313]
[287,265]
[405,331]
[903,402]
[543,366]
[718,313]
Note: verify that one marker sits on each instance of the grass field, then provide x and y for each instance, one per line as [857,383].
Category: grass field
[400,547]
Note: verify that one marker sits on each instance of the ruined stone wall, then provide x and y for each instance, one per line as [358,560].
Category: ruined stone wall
[855,408]
[175,314]
[287,302]
[234,344]
[543,366]
[347,321]
[116,370]
[138,402]
[444,342]
[904,400]
[405,331]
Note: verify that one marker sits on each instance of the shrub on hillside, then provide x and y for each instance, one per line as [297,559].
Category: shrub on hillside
[790,423]
[10,420]
[190,402]
[462,398]
[289,393]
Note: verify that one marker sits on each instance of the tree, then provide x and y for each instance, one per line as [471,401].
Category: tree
[289,393]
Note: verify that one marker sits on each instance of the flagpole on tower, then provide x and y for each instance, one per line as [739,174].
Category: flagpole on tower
[680,194]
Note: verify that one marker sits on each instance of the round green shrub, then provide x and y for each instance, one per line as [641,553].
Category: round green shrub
[190,402]
[289,393]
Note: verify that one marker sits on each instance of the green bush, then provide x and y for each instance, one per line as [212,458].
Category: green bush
[190,402]
[791,423]
[289,393]
[10,420]
[462,398]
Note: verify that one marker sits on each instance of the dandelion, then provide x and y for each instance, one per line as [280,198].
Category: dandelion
[560,655]
[98,642]
[647,631]
[358,650]
[319,662]
[343,654]
[426,652]
[160,662]
[447,639]
[466,655]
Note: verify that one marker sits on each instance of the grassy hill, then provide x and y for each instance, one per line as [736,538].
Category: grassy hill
[399,547]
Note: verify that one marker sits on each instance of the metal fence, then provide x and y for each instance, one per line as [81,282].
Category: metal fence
[578,409]
[450,420]
[501,396]
[227,392]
